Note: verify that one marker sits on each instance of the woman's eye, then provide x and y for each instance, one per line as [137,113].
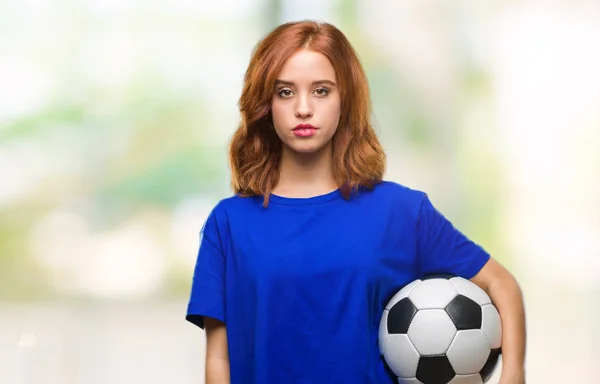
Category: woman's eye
[285,93]
[322,91]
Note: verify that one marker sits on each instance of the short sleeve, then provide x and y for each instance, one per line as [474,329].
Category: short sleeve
[207,297]
[441,248]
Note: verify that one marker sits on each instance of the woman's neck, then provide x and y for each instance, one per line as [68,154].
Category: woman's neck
[305,175]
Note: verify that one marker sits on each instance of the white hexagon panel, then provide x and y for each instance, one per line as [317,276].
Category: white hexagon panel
[467,379]
[400,355]
[432,294]
[491,325]
[469,352]
[408,381]
[431,331]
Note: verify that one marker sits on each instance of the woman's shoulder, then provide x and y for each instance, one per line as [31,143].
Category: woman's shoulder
[234,203]
[395,197]
[221,213]
[397,192]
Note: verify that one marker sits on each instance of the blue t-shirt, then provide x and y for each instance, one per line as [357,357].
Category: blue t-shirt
[302,284]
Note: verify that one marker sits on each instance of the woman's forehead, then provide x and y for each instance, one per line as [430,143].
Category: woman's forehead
[307,67]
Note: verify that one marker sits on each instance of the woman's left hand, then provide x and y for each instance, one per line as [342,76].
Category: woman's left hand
[512,377]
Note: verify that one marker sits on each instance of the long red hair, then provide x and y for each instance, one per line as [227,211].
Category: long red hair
[255,149]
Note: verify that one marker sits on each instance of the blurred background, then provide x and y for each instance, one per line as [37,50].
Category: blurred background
[114,123]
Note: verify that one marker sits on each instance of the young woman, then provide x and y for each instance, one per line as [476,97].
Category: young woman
[294,270]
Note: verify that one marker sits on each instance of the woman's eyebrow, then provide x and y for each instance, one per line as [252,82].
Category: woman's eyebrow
[316,82]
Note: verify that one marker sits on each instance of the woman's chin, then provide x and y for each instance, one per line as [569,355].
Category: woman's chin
[306,148]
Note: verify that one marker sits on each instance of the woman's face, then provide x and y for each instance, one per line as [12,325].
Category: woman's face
[306,103]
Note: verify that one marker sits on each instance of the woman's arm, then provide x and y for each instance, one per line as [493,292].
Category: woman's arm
[506,295]
[217,356]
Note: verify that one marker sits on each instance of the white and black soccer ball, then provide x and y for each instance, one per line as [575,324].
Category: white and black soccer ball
[440,330]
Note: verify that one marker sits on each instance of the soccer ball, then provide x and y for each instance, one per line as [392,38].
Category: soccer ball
[440,330]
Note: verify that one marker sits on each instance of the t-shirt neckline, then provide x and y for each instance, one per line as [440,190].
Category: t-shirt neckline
[276,199]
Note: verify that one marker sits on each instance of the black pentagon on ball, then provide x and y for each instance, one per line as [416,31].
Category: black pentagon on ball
[400,316]
[465,313]
[490,365]
[445,276]
[434,370]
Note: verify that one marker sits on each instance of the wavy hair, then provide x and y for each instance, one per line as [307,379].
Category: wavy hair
[255,148]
